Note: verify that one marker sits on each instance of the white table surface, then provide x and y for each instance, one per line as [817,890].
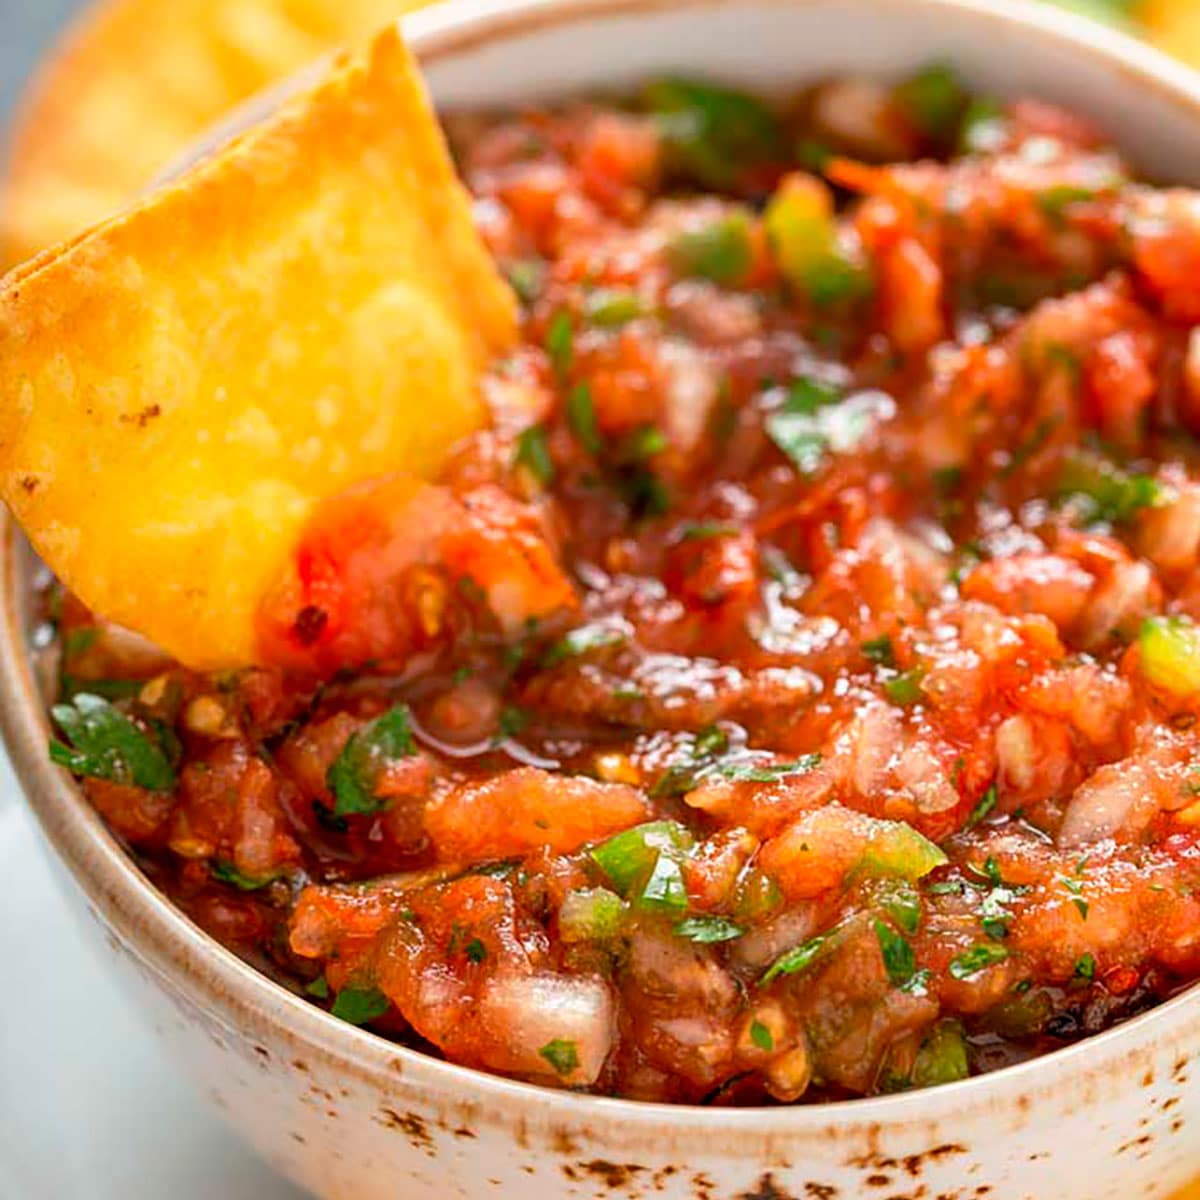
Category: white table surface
[89,1107]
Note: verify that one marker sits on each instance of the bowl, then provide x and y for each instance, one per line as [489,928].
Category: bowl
[347,1114]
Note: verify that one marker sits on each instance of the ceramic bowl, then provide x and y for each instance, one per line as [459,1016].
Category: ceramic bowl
[349,1115]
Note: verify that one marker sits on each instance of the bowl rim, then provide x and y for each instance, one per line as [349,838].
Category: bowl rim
[248,1002]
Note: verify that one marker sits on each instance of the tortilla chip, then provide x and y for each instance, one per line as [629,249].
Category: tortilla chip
[135,82]
[307,309]
[1173,26]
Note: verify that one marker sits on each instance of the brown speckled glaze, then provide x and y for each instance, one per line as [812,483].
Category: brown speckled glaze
[347,1114]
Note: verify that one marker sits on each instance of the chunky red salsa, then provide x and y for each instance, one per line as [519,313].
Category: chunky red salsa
[792,694]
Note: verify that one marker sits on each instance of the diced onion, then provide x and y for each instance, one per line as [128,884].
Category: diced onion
[527,1015]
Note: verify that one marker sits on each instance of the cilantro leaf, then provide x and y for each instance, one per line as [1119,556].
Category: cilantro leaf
[226,872]
[533,453]
[560,342]
[106,744]
[353,775]
[986,803]
[977,958]
[581,416]
[879,651]
[706,930]
[562,1055]
[760,1035]
[721,250]
[360,1005]
[583,639]
[816,418]
[898,958]
[797,959]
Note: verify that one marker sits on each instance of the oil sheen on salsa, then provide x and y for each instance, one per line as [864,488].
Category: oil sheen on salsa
[792,693]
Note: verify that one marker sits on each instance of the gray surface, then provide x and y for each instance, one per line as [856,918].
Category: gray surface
[27,27]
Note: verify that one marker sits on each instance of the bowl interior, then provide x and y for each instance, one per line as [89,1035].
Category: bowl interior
[1149,104]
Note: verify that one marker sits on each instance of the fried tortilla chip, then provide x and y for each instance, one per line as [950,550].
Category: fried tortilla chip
[135,82]
[178,388]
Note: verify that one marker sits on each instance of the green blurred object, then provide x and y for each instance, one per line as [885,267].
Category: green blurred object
[1111,12]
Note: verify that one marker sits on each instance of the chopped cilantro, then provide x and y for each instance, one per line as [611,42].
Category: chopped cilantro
[1085,968]
[813,155]
[475,950]
[318,988]
[525,275]
[797,959]
[712,133]
[904,689]
[986,803]
[918,985]
[947,887]
[582,640]
[562,1055]
[1055,201]
[581,416]
[977,958]
[513,721]
[610,308]
[880,651]
[751,772]
[533,453]
[720,251]
[106,744]
[708,929]
[934,101]
[702,530]
[897,954]
[902,902]
[1104,492]
[947,480]
[226,872]
[560,342]
[760,1035]
[1075,887]
[644,492]
[360,1005]
[665,889]
[353,775]
[815,419]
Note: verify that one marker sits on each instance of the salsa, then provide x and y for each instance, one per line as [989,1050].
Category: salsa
[792,694]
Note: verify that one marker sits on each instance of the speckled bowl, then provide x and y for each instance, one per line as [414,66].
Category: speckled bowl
[349,1115]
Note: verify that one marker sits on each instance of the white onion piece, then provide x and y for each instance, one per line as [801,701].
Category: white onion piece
[1016,753]
[527,1013]
[1170,536]
[760,947]
[1122,599]
[691,392]
[868,744]
[922,775]
[1117,799]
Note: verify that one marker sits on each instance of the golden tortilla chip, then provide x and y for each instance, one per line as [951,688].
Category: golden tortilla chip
[135,82]
[1173,26]
[307,309]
